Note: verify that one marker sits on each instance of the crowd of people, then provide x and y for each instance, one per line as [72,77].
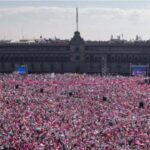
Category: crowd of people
[74,112]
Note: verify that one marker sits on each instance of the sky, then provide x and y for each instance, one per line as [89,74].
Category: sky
[98,20]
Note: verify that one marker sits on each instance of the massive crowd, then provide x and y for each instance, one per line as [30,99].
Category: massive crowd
[74,112]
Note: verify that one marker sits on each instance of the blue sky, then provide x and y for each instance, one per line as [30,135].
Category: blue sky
[98,20]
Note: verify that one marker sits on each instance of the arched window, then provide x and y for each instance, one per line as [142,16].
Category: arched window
[77,58]
[119,58]
[130,58]
[87,58]
[52,67]
[113,58]
[2,59]
[77,49]
[3,66]
[32,67]
[77,69]
[91,68]
[62,68]
[13,66]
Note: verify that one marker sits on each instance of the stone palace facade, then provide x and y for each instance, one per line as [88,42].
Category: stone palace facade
[75,56]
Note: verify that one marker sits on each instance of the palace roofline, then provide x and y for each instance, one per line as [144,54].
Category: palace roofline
[76,37]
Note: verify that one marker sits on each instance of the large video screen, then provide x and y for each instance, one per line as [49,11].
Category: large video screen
[138,70]
[22,69]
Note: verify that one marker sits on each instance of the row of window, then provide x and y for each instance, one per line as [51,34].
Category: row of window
[41,67]
[92,59]
[34,48]
[88,58]
[130,58]
[34,59]
[115,58]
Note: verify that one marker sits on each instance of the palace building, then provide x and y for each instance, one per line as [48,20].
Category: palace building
[75,56]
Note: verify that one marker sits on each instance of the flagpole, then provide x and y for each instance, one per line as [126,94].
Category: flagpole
[77,19]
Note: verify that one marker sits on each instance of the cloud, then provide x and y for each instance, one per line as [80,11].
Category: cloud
[94,22]
[93,12]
